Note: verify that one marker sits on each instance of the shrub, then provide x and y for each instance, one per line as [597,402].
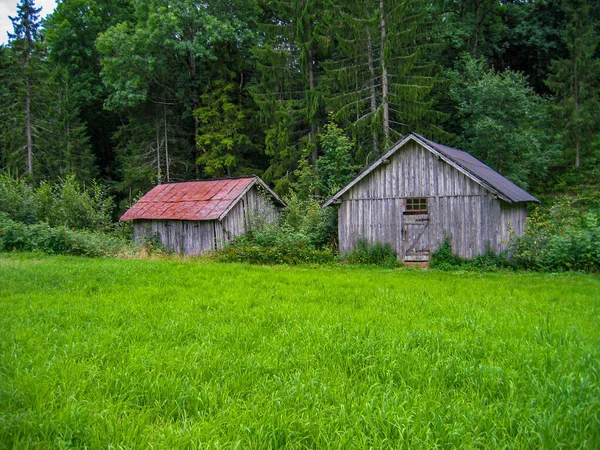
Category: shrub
[559,238]
[17,199]
[376,254]
[17,236]
[273,244]
[299,254]
[65,203]
[445,259]
[306,216]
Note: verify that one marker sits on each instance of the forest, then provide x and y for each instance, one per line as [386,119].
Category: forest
[126,94]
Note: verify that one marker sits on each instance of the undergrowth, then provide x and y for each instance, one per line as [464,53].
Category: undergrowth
[445,259]
[377,253]
[273,244]
[41,237]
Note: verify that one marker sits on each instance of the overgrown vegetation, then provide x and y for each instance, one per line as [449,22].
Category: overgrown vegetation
[61,218]
[559,238]
[377,254]
[445,259]
[41,237]
[275,244]
[66,203]
[564,236]
[111,353]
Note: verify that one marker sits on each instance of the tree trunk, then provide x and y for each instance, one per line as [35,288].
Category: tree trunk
[195,105]
[577,133]
[310,67]
[372,89]
[29,164]
[166,138]
[384,78]
[158,171]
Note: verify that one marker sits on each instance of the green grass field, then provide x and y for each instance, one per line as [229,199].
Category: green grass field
[167,354]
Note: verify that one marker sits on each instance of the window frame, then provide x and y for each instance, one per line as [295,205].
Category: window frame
[416,205]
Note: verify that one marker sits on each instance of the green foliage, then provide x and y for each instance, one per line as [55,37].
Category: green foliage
[576,82]
[445,259]
[223,131]
[41,237]
[334,166]
[377,254]
[18,200]
[560,238]
[384,71]
[165,355]
[274,245]
[502,121]
[66,203]
[307,217]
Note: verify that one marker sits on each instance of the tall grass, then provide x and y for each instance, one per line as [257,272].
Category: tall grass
[140,354]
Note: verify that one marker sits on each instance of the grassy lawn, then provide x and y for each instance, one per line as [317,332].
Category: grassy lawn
[165,354]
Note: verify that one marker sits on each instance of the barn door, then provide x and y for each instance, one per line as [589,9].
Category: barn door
[415,230]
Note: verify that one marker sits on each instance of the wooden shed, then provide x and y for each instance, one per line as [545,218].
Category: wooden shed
[419,192]
[194,217]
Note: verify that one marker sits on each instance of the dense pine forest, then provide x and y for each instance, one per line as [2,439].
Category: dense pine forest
[126,94]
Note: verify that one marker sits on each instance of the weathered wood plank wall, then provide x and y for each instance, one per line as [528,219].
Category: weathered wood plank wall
[197,237]
[458,207]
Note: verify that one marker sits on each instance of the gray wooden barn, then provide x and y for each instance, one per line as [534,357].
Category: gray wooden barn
[194,217]
[420,191]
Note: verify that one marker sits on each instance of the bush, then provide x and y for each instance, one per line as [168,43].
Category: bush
[273,244]
[16,236]
[66,203]
[275,255]
[376,254]
[445,259]
[560,238]
[17,199]
[306,217]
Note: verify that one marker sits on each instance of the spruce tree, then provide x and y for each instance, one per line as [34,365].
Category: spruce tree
[290,95]
[575,81]
[24,42]
[382,76]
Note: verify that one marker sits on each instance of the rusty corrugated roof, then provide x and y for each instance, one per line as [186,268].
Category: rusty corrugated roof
[190,200]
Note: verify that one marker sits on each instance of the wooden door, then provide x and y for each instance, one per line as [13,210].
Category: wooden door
[415,237]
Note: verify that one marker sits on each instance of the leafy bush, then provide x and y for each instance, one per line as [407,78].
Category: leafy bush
[445,259]
[66,203]
[305,218]
[17,199]
[560,238]
[273,244]
[377,254]
[17,236]
[299,254]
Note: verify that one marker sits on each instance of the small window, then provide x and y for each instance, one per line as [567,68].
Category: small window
[416,206]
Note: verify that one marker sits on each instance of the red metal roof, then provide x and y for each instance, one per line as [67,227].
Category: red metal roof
[191,200]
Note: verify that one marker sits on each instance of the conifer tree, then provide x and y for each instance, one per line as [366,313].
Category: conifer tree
[24,42]
[576,80]
[380,80]
[290,96]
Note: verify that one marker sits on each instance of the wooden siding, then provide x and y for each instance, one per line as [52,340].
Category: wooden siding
[197,237]
[457,207]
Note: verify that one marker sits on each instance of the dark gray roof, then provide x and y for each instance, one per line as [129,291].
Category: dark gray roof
[471,166]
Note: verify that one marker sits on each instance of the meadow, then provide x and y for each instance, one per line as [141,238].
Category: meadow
[107,353]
